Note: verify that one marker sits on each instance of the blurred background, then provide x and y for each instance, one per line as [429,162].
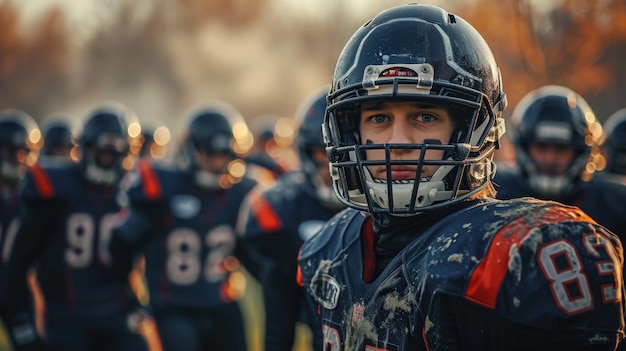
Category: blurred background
[265,56]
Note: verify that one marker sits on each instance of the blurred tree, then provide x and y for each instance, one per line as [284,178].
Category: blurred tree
[32,65]
[573,43]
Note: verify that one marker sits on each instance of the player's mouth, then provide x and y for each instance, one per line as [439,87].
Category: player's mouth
[399,175]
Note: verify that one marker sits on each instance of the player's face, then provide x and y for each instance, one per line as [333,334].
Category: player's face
[551,159]
[385,122]
[212,162]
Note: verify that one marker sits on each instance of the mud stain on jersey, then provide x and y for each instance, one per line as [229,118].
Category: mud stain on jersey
[377,319]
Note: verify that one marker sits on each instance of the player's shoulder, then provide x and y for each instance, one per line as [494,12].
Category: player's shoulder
[536,262]
[150,181]
[243,186]
[50,180]
[339,232]
[282,194]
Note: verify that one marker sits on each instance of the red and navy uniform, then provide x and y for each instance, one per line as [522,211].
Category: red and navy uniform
[66,226]
[601,198]
[529,275]
[185,233]
[276,223]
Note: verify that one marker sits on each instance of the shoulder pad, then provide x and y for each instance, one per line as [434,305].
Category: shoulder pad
[143,183]
[50,181]
[337,234]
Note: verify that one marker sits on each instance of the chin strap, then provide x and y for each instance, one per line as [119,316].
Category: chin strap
[11,171]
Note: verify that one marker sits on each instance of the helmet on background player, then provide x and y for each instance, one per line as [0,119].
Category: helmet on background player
[208,144]
[415,53]
[19,135]
[309,138]
[58,137]
[614,146]
[554,115]
[104,142]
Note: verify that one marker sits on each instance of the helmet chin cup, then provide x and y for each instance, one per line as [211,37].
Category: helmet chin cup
[207,180]
[549,186]
[11,171]
[99,175]
[428,191]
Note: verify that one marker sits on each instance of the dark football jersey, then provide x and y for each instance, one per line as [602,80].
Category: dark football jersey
[289,206]
[9,224]
[277,221]
[185,232]
[601,198]
[68,224]
[515,275]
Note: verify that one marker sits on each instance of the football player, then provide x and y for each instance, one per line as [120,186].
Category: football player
[182,218]
[275,221]
[555,135]
[69,212]
[426,259]
[614,145]
[17,143]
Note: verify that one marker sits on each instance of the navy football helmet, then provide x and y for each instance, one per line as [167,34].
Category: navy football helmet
[208,135]
[104,142]
[309,119]
[614,146]
[554,115]
[417,53]
[58,138]
[19,135]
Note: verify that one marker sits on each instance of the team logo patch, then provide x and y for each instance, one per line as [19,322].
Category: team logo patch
[185,206]
[326,290]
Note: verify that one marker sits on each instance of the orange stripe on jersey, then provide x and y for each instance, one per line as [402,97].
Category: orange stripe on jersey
[265,214]
[151,185]
[299,278]
[42,182]
[484,283]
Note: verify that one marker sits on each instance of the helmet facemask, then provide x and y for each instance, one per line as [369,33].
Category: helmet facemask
[103,159]
[465,167]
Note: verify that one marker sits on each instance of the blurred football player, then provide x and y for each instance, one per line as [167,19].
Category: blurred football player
[426,259]
[181,220]
[614,145]
[69,211]
[555,134]
[17,144]
[276,221]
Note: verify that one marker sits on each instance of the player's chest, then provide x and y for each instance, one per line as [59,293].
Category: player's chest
[192,210]
[379,314]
